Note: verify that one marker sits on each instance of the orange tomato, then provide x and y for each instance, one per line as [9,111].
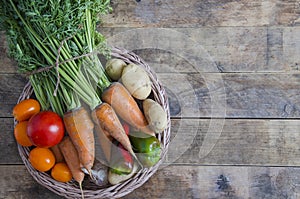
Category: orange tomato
[20,133]
[25,109]
[61,172]
[42,159]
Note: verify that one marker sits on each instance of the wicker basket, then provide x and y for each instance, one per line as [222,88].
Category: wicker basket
[71,189]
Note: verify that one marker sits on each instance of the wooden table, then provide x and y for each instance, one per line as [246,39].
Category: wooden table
[231,70]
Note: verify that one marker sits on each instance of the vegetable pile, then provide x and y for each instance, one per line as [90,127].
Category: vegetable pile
[79,104]
[65,146]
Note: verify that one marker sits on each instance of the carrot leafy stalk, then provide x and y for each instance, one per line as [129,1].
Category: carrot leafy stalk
[54,42]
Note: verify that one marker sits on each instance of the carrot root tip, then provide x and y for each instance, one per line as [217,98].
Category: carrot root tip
[80,186]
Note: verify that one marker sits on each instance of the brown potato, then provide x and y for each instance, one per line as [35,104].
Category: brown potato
[114,68]
[136,81]
[155,115]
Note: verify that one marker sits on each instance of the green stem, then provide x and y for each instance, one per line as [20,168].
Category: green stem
[39,92]
[78,78]
[33,36]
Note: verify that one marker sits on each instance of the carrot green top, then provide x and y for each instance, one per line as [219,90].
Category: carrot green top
[55,43]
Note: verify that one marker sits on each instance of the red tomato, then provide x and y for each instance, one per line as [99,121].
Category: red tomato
[45,129]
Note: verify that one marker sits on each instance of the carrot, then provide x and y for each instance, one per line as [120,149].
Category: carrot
[80,128]
[105,116]
[71,157]
[126,107]
[57,153]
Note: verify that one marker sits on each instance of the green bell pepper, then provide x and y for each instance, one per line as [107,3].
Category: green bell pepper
[146,147]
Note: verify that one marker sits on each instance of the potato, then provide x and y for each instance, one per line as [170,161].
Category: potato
[155,115]
[136,81]
[114,68]
[114,178]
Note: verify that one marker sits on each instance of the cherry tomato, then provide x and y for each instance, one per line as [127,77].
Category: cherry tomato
[61,172]
[42,159]
[26,109]
[20,133]
[45,129]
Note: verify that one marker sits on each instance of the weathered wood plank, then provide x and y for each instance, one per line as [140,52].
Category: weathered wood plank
[193,141]
[207,94]
[8,146]
[255,39]
[194,13]
[262,95]
[233,95]
[212,49]
[221,182]
[227,49]
[291,45]
[180,182]
[11,86]
[18,183]
[237,142]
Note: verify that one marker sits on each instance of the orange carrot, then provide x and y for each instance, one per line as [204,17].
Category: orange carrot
[71,157]
[57,153]
[80,128]
[126,107]
[105,116]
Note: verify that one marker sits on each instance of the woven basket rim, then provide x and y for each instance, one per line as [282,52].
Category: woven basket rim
[71,189]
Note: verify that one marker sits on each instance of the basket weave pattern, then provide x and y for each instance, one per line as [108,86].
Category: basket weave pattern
[71,189]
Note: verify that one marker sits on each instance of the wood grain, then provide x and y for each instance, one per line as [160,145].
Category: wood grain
[180,182]
[237,142]
[233,95]
[18,183]
[193,13]
[231,71]
[205,95]
[229,49]
[221,182]
[292,48]
[11,86]
[8,146]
